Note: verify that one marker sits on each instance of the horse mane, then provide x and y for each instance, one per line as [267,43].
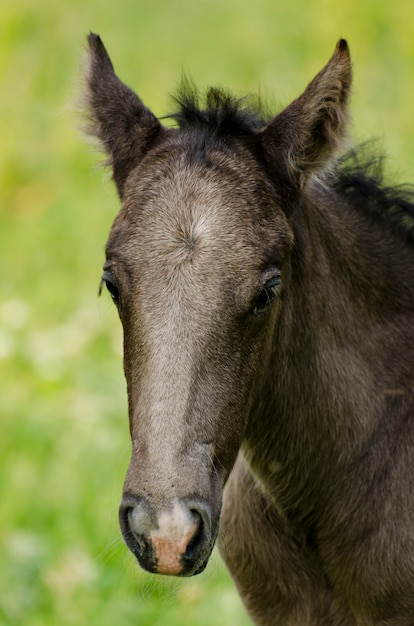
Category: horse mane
[360,177]
[218,111]
[359,174]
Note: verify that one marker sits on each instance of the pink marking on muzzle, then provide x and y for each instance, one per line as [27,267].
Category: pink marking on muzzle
[170,540]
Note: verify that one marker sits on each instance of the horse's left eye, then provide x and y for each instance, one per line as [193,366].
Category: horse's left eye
[266,296]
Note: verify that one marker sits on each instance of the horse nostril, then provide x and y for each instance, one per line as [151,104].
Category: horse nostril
[137,537]
[124,511]
[197,537]
[135,522]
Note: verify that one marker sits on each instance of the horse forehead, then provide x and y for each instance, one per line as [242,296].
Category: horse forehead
[188,181]
[185,207]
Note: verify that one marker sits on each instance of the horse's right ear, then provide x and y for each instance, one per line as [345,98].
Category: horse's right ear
[125,127]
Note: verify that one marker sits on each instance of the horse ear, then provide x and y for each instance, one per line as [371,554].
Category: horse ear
[125,127]
[306,134]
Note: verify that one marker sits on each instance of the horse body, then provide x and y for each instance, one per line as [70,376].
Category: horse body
[267,304]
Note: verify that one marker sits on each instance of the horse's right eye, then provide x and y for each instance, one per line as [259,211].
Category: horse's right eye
[111,286]
[113,290]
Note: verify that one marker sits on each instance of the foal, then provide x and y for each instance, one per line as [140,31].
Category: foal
[266,293]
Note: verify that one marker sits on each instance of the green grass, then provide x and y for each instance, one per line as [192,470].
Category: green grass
[64,434]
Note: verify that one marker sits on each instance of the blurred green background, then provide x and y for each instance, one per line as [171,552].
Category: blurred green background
[64,441]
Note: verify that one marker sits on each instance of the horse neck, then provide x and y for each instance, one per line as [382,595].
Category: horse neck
[350,297]
[324,321]
[322,394]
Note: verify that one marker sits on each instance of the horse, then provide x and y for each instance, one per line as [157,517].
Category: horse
[263,275]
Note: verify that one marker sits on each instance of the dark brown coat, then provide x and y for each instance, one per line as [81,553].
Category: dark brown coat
[266,292]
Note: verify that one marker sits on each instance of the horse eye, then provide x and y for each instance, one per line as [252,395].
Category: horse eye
[266,296]
[111,286]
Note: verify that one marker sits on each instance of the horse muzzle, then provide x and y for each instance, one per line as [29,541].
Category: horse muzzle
[176,539]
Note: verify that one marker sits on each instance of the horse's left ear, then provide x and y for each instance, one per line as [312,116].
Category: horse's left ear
[306,134]
[118,117]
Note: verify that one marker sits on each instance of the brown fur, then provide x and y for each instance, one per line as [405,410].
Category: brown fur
[266,294]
